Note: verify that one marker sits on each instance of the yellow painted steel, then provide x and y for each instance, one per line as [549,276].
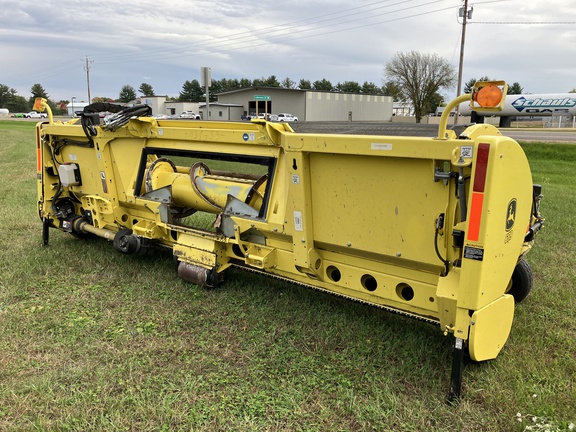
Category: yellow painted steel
[429,227]
[490,327]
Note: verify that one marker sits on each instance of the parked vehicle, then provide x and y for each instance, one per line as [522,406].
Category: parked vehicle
[190,115]
[287,117]
[34,114]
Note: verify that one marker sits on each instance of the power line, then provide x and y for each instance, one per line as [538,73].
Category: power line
[255,41]
[526,22]
[284,28]
[296,30]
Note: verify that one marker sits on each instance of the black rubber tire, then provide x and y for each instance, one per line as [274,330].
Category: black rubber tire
[521,283]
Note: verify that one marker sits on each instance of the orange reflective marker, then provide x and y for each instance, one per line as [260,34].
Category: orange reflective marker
[38,104]
[488,96]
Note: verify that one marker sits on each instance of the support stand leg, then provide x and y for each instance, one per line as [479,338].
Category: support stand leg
[45,231]
[457,366]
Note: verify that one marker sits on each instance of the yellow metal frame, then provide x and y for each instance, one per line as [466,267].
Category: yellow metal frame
[431,228]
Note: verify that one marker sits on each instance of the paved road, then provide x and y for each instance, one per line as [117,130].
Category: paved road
[411,129]
[426,130]
[542,135]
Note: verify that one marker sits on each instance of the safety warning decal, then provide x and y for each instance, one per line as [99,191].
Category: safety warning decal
[474,253]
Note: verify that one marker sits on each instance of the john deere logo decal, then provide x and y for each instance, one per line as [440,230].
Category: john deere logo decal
[510,219]
[511,214]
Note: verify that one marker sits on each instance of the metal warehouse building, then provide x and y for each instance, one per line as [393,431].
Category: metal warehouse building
[310,105]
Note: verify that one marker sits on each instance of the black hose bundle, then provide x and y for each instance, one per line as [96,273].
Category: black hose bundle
[116,121]
[90,116]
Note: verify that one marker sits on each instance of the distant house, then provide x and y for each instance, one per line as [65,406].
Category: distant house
[402,109]
[74,107]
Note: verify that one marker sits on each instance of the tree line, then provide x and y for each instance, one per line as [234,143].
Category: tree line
[192,90]
[412,77]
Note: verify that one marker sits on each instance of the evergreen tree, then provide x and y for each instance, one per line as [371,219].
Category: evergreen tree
[146,90]
[470,83]
[391,89]
[288,83]
[127,94]
[322,85]
[515,89]
[38,91]
[192,92]
[349,87]
[370,88]
[245,82]
[305,84]
[10,100]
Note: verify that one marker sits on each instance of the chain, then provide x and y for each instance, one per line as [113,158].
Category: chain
[302,284]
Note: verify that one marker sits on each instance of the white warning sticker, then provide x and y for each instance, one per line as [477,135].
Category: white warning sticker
[466,151]
[381,146]
[298,221]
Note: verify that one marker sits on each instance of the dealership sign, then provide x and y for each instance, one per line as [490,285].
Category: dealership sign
[541,105]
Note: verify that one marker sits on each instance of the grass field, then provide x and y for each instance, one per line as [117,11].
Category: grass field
[95,340]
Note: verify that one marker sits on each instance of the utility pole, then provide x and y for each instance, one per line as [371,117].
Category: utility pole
[206,78]
[87,68]
[466,15]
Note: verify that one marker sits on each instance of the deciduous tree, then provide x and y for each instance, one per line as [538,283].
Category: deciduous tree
[420,76]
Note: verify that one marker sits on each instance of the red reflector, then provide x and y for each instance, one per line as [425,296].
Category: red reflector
[475,216]
[481,167]
[38,153]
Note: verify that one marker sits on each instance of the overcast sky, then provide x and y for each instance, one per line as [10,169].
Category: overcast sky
[164,44]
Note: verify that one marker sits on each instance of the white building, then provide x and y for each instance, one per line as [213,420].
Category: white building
[310,105]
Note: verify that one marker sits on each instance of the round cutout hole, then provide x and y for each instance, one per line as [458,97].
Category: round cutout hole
[405,291]
[369,282]
[333,273]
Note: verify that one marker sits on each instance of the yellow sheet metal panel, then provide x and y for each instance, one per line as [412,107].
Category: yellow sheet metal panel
[385,206]
[501,191]
[490,328]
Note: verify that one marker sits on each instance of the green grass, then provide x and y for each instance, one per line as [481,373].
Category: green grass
[94,340]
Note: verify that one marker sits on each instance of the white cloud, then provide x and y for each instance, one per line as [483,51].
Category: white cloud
[137,41]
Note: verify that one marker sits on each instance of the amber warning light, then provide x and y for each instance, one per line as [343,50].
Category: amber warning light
[488,96]
[38,105]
